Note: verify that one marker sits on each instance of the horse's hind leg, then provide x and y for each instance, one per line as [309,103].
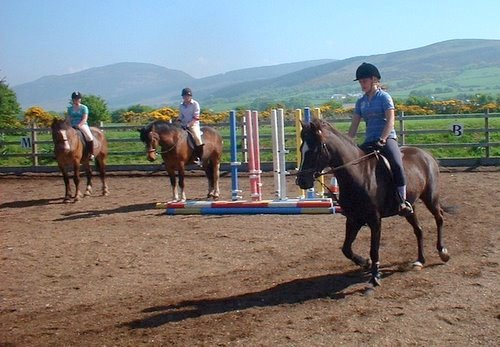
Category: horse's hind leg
[419,233]
[212,173]
[437,212]
[88,172]
[101,165]
[76,179]
[182,192]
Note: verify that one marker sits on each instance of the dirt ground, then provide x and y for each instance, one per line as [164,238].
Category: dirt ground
[115,271]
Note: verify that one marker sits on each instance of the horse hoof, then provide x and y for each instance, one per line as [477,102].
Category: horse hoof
[67,200]
[417,266]
[444,255]
[375,281]
[105,193]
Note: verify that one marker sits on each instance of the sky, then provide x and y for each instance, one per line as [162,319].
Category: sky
[208,37]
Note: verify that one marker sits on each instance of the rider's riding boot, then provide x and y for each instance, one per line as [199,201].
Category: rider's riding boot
[90,149]
[198,153]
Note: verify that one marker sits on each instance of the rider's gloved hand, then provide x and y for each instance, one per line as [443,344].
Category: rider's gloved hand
[380,144]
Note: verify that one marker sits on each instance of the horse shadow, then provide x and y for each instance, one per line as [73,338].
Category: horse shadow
[30,203]
[99,213]
[330,286]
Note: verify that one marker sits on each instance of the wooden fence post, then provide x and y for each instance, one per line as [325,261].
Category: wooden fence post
[34,145]
[487,133]
[402,142]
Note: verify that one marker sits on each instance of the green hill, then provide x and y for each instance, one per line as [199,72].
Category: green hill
[445,69]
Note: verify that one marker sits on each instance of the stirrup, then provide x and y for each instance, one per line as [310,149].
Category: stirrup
[91,157]
[198,162]
[405,209]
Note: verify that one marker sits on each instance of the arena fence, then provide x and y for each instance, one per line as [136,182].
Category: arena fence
[479,134]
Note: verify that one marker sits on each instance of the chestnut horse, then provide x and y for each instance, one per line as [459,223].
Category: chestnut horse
[70,152]
[367,193]
[177,152]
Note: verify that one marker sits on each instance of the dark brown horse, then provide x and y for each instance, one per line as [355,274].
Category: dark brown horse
[69,149]
[367,193]
[177,152]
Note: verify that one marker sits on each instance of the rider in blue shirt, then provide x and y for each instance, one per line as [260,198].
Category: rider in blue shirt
[78,115]
[376,108]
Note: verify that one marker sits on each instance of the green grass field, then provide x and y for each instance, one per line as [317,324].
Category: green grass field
[125,147]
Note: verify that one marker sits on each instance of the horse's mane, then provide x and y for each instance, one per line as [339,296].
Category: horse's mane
[159,126]
[324,125]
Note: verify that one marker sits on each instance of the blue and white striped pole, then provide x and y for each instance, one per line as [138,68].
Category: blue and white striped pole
[234,157]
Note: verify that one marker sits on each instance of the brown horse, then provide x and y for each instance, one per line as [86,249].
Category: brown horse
[367,193]
[177,152]
[69,149]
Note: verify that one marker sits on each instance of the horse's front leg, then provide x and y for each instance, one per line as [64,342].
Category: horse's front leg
[76,180]
[173,183]
[375,227]
[88,172]
[352,227]
[67,186]
[181,183]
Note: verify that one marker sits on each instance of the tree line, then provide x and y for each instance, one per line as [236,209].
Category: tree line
[11,115]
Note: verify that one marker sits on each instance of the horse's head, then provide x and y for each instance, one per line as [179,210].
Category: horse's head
[60,129]
[313,153]
[151,139]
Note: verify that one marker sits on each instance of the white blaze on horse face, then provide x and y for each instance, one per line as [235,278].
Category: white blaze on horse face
[64,136]
[305,149]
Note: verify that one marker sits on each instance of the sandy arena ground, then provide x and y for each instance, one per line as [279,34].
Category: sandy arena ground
[115,271]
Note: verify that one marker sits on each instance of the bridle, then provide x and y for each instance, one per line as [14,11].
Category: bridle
[153,136]
[317,173]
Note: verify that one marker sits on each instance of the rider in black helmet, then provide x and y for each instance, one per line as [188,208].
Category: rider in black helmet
[189,116]
[78,116]
[377,109]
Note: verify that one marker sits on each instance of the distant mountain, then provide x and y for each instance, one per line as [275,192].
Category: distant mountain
[456,65]
[119,84]
[453,67]
[126,84]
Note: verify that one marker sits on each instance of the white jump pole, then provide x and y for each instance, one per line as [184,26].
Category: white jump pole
[280,122]
[276,162]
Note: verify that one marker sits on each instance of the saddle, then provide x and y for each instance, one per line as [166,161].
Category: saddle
[192,144]
[394,198]
[83,141]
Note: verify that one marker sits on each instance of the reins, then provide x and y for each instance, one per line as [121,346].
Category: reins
[353,162]
[166,151]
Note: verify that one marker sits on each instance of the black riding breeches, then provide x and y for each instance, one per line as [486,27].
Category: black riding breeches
[393,154]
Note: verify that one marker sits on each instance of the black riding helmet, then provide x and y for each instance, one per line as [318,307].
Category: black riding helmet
[76,95]
[186,91]
[367,70]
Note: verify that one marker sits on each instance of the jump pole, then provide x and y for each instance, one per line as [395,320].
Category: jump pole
[279,153]
[285,206]
[234,157]
[298,141]
[320,185]
[252,123]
